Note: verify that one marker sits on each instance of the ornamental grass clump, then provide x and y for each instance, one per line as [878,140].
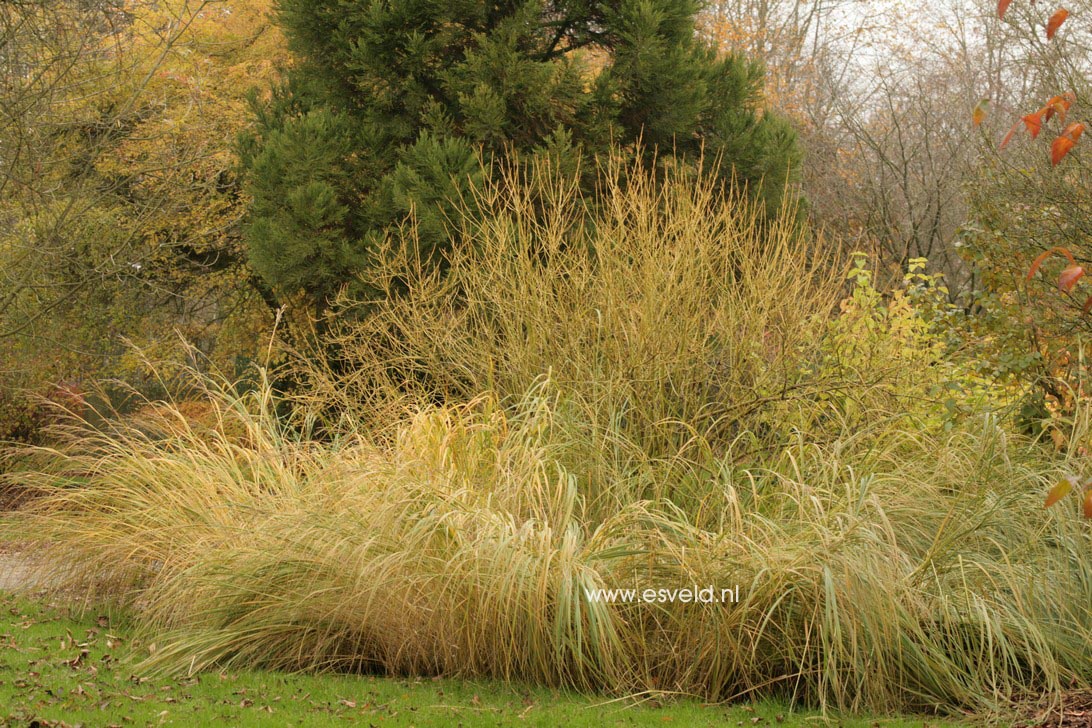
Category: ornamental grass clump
[623,395]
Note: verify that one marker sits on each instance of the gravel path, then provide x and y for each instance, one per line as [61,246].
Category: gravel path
[19,572]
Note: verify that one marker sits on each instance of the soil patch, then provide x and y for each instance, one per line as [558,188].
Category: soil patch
[1075,711]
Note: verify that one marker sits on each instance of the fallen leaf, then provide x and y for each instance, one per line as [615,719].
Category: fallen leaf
[1034,122]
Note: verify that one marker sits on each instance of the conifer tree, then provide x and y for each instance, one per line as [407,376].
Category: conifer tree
[391,102]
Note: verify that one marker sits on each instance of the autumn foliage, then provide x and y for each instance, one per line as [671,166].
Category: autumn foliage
[121,213]
[1057,106]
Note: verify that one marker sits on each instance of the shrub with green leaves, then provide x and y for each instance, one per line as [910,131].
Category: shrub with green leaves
[897,353]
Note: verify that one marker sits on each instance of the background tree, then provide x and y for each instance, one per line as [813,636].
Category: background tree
[804,45]
[120,206]
[869,90]
[389,105]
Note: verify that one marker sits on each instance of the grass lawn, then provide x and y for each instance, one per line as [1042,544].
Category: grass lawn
[59,670]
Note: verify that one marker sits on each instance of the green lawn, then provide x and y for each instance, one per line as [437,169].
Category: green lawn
[59,670]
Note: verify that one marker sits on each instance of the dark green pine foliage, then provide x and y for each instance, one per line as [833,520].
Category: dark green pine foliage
[392,101]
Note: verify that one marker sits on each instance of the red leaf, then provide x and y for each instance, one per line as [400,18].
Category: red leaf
[1087,305]
[1058,105]
[1059,491]
[1088,504]
[1002,6]
[1069,277]
[1008,137]
[1055,22]
[1060,148]
[1035,264]
[1074,131]
[1038,262]
[1034,122]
